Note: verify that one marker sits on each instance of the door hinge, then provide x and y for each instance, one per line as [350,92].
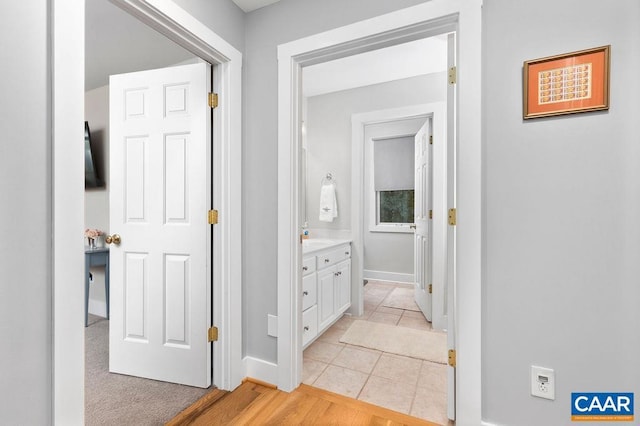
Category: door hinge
[430,139]
[212,217]
[430,214]
[453,75]
[430,288]
[452,217]
[212,334]
[213,100]
[452,358]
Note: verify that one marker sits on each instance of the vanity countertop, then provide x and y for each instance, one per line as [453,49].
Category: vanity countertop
[313,245]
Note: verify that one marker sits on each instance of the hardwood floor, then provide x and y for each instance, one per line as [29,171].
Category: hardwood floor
[256,404]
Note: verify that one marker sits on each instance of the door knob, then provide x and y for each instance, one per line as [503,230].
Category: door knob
[115,239]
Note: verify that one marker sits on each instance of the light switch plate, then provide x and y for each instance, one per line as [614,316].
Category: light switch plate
[272,325]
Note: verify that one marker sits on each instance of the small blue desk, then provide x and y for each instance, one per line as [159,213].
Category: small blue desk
[98,256]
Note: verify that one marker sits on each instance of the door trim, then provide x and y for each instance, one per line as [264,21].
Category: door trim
[67,80]
[424,20]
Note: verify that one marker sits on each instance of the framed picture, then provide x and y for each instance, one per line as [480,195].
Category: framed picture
[566,84]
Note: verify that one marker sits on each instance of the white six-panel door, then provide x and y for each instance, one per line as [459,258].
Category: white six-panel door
[423,241]
[160,129]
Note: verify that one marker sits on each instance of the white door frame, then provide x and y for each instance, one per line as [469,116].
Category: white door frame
[67,81]
[427,19]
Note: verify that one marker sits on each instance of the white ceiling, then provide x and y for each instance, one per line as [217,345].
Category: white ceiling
[249,5]
[405,60]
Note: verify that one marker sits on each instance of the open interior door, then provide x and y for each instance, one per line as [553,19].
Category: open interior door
[160,133]
[423,242]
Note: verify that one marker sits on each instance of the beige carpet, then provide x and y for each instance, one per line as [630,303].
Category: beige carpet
[422,344]
[401,298]
[115,399]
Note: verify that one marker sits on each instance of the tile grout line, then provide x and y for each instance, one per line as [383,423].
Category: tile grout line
[369,375]
[321,372]
[362,388]
[415,390]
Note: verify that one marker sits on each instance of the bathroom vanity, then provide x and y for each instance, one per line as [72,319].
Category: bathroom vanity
[326,285]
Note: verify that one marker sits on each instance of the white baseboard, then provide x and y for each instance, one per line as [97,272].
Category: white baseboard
[98,307]
[388,276]
[259,369]
[488,424]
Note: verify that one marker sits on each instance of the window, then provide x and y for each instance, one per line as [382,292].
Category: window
[395,207]
[393,183]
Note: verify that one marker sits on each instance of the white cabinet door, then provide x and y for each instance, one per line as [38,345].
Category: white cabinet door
[343,286]
[326,296]
[160,138]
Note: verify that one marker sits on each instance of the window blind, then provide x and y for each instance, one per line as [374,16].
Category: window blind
[393,162]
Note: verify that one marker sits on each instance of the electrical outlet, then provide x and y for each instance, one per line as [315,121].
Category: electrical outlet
[543,382]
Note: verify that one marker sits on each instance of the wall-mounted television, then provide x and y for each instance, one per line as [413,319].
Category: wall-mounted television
[91,179]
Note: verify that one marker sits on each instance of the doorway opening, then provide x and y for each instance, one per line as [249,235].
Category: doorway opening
[373,151]
[113,59]
[360,145]
[418,22]
[172,21]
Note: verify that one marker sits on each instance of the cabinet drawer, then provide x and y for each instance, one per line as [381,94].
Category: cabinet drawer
[309,324]
[308,265]
[309,291]
[334,256]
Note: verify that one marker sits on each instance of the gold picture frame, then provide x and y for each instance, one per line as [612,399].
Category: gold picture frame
[566,84]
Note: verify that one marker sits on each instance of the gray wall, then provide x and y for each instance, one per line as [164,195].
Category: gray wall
[223,16]
[116,42]
[25,216]
[329,150]
[96,200]
[96,112]
[266,28]
[562,202]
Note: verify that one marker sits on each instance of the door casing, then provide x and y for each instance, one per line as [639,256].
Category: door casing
[424,20]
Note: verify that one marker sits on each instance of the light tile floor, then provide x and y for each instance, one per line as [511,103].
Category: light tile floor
[408,385]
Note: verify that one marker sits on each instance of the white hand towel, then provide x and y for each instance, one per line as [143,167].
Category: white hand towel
[328,203]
